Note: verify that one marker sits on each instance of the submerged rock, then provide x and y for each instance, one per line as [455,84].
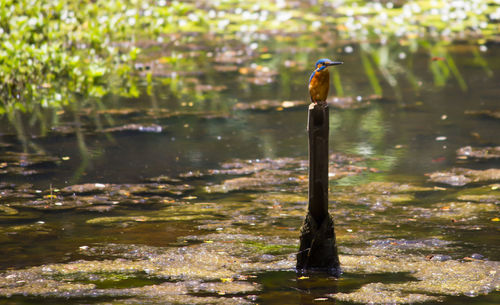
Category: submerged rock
[162,179]
[266,105]
[260,181]
[495,114]
[477,256]
[153,128]
[438,257]
[158,189]
[55,204]
[26,164]
[94,196]
[245,167]
[126,190]
[463,176]
[87,188]
[22,159]
[486,153]
[349,102]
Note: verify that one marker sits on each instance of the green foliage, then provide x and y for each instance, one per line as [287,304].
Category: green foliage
[52,50]
[49,52]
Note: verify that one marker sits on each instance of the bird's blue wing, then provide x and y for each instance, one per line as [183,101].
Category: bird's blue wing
[314,72]
[312,75]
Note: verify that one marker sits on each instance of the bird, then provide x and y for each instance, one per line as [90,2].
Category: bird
[319,82]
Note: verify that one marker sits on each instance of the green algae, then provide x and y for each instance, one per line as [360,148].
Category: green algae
[254,232]
[168,292]
[269,248]
[381,247]
[45,288]
[219,267]
[493,198]
[193,268]
[237,248]
[243,215]
[33,230]
[141,218]
[276,174]
[388,187]
[434,279]
[455,278]
[281,198]
[488,193]
[376,201]
[378,293]
[163,294]
[12,214]
[7,211]
[380,196]
[467,210]
[454,211]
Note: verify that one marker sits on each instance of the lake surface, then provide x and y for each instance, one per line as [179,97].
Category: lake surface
[194,191]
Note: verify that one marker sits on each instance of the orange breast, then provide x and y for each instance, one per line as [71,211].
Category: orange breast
[319,85]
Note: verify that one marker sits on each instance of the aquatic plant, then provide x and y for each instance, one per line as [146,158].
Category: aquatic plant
[54,50]
[58,49]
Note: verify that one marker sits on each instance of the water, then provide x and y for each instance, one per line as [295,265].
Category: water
[414,129]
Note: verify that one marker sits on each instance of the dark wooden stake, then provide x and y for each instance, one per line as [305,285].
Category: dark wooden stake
[318,248]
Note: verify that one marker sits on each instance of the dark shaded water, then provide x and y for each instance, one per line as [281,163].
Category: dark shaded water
[415,128]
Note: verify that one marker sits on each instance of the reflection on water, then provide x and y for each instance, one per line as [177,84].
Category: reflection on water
[416,123]
[187,127]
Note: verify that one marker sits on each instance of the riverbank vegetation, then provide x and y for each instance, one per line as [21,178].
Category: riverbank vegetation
[54,52]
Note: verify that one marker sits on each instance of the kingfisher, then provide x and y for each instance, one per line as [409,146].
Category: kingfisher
[319,82]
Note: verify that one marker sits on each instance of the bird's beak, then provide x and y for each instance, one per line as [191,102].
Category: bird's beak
[335,63]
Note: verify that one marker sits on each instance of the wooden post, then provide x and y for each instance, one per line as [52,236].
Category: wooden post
[318,248]
[318,130]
